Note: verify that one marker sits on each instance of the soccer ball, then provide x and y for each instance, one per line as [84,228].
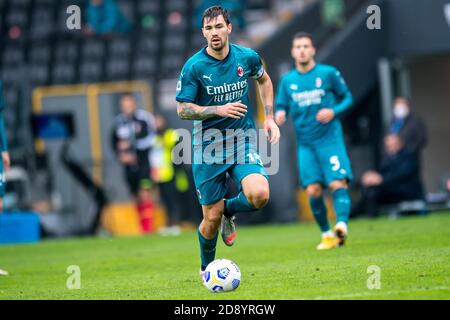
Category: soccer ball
[222,275]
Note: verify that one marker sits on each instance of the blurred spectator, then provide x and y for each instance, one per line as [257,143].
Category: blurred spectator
[408,125]
[397,179]
[104,17]
[166,174]
[236,8]
[132,139]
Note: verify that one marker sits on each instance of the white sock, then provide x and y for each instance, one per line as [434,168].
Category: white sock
[342,225]
[328,233]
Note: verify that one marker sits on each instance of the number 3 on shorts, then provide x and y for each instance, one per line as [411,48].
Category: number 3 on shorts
[336,165]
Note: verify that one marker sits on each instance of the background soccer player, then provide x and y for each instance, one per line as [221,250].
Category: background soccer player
[316,95]
[5,163]
[213,90]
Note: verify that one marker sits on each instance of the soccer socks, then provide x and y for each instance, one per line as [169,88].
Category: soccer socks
[237,204]
[320,212]
[342,204]
[207,249]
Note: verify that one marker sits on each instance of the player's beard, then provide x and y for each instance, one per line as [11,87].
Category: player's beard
[219,46]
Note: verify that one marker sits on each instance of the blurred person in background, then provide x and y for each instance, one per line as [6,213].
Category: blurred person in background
[104,17]
[133,137]
[164,173]
[5,163]
[396,179]
[408,126]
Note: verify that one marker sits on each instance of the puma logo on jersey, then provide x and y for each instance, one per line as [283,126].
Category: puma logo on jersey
[208,77]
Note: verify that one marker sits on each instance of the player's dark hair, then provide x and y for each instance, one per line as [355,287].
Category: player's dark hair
[302,34]
[214,12]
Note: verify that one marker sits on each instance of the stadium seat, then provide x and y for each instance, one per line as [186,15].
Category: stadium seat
[11,76]
[176,5]
[147,45]
[38,74]
[148,7]
[66,51]
[117,69]
[63,73]
[91,71]
[144,67]
[174,41]
[13,55]
[16,16]
[93,49]
[40,53]
[41,23]
[119,48]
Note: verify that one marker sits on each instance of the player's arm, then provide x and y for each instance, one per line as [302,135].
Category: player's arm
[265,87]
[341,90]
[192,111]
[282,104]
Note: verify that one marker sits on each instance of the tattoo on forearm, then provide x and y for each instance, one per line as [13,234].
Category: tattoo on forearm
[268,110]
[189,112]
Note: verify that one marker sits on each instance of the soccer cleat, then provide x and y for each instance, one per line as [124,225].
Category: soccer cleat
[328,242]
[228,230]
[340,229]
[3,272]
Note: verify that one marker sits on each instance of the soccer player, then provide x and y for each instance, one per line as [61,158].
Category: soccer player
[213,91]
[5,163]
[316,95]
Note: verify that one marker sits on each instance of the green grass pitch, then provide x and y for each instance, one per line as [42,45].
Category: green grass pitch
[276,261]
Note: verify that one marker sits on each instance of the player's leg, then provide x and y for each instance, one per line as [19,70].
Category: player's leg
[208,231]
[312,178]
[210,182]
[342,207]
[337,172]
[253,195]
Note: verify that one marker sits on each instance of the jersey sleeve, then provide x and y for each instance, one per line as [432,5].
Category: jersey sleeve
[342,92]
[282,98]
[256,65]
[187,85]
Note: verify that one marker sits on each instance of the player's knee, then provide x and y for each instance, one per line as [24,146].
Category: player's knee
[314,190]
[259,197]
[338,184]
[213,216]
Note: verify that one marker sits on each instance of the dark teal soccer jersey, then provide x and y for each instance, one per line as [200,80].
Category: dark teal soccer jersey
[303,94]
[321,149]
[207,81]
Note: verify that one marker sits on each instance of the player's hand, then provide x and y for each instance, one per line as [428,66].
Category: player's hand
[325,115]
[235,110]
[280,117]
[371,179]
[6,160]
[272,131]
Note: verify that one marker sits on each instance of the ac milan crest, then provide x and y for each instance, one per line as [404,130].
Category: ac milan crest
[240,71]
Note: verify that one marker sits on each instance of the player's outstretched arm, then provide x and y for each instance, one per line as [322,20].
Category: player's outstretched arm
[191,111]
[266,90]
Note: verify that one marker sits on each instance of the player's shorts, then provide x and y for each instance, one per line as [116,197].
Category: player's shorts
[324,162]
[210,179]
